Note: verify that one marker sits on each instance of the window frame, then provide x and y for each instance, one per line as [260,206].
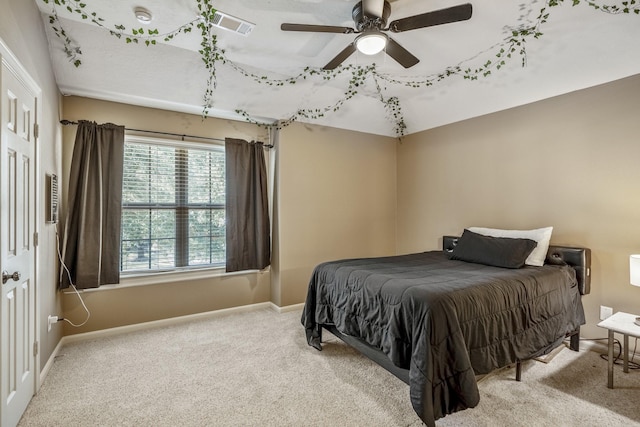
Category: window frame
[181,257]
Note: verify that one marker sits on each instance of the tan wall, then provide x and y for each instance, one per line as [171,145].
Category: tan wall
[571,162]
[127,305]
[22,31]
[337,199]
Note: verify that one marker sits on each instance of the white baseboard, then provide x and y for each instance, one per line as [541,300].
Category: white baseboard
[47,366]
[287,308]
[599,346]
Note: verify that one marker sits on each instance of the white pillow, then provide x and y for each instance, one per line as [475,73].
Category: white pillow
[541,235]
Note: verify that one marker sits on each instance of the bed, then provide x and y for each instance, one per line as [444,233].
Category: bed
[436,322]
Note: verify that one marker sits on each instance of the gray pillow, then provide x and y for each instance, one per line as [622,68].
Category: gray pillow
[496,251]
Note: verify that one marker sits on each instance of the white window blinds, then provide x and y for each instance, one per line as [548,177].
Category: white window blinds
[173,207]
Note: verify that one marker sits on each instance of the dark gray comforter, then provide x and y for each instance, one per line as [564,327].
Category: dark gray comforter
[444,320]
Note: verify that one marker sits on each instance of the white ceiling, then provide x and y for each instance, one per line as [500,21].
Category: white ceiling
[580,47]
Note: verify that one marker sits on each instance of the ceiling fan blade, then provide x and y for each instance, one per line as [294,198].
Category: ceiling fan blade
[437,17]
[346,52]
[316,28]
[400,54]
[373,7]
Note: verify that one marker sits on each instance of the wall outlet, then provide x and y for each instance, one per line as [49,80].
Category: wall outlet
[605,312]
[50,321]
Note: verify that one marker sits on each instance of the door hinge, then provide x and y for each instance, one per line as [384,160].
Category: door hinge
[35,239]
[35,348]
[36,130]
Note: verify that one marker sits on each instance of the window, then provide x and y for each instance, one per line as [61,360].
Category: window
[173,205]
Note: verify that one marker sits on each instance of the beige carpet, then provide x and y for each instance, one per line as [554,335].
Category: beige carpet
[255,369]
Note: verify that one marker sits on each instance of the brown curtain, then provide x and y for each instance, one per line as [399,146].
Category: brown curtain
[91,249]
[247,209]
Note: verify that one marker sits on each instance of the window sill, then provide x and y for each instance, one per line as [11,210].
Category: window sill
[144,279]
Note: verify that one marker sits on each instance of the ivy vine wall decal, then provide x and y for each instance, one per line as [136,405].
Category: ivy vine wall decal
[513,47]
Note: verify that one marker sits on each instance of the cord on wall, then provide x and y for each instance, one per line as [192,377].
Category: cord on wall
[64,267]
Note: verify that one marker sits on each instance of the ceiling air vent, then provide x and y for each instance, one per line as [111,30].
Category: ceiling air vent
[231,23]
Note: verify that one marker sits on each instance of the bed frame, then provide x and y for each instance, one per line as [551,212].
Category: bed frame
[578,258]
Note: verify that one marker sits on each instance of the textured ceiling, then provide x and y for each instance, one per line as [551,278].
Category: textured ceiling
[580,47]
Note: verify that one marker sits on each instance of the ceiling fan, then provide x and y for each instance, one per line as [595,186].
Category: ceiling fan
[370,18]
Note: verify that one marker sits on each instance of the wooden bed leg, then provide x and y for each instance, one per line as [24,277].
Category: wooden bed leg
[518,370]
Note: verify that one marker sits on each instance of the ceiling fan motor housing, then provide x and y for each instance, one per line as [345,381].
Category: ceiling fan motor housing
[368,22]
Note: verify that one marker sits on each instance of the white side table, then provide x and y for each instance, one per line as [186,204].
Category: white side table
[621,323]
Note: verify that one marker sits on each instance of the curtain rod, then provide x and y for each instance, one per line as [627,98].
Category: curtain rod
[69,122]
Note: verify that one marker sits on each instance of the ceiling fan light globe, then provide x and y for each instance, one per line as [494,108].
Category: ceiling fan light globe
[371,43]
